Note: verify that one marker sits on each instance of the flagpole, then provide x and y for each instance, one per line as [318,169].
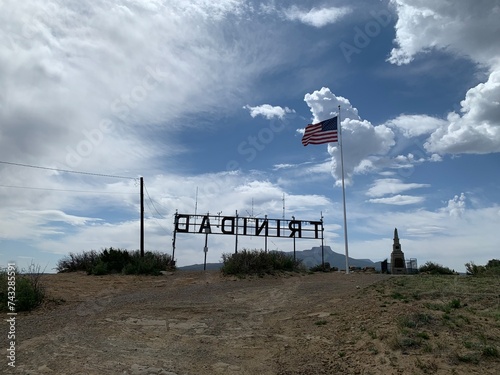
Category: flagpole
[343,194]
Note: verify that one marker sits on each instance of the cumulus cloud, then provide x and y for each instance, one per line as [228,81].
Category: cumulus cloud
[364,144]
[416,125]
[465,29]
[268,111]
[317,17]
[456,206]
[477,130]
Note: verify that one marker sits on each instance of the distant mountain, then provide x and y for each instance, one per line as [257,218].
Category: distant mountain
[199,267]
[310,258]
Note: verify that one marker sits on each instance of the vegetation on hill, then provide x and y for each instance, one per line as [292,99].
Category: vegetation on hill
[457,318]
[259,262]
[112,260]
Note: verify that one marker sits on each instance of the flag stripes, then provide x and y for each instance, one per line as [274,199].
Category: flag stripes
[322,132]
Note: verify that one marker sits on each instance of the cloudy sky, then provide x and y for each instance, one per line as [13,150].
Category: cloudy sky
[208,102]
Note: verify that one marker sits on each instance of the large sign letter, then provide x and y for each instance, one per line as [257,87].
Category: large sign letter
[316,224]
[258,229]
[184,229]
[205,225]
[223,225]
[294,228]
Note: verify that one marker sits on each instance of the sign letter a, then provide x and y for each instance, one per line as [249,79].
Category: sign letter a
[205,225]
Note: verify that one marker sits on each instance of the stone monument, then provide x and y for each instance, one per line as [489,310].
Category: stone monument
[398,264]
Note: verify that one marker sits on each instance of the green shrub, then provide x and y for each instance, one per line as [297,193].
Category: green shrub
[151,264]
[99,269]
[435,269]
[29,291]
[78,262]
[490,351]
[258,262]
[116,261]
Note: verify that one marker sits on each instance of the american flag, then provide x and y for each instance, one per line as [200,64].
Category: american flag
[322,132]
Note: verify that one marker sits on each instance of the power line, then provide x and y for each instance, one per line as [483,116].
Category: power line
[155,219]
[151,211]
[152,202]
[65,190]
[66,170]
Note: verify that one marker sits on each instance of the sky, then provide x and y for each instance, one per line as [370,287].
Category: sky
[208,101]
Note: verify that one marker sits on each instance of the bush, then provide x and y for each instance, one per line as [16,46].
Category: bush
[116,261]
[78,262]
[99,269]
[152,263]
[492,268]
[29,291]
[435,269]
[258,262]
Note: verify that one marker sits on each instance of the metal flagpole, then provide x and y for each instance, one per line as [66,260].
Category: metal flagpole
[343,193]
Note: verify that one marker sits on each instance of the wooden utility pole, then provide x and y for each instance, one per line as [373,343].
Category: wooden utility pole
[142,217]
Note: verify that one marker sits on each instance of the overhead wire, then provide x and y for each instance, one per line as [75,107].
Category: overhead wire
[64,190]
[151,211]
[82,191]
[149,197]
[66,170]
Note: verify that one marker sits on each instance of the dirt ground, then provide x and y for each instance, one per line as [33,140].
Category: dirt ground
[189,323]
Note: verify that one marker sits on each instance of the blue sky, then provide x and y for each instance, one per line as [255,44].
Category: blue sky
[213,97]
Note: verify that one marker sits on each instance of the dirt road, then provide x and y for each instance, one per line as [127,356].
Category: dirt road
[189,323]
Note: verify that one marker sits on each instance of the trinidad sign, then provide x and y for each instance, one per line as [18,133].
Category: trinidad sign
[246,226]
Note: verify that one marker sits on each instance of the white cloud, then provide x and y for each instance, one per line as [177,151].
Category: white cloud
[464,29]
[282,166]
[477,130]
[268,111]
[398,200]
[364,143]
[415,125]
[46,216]
[459,27]
[317,17]
[78,81]
[456,206]
[385,186]
[88,86]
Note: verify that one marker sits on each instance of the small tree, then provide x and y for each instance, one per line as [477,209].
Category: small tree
[473,269]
